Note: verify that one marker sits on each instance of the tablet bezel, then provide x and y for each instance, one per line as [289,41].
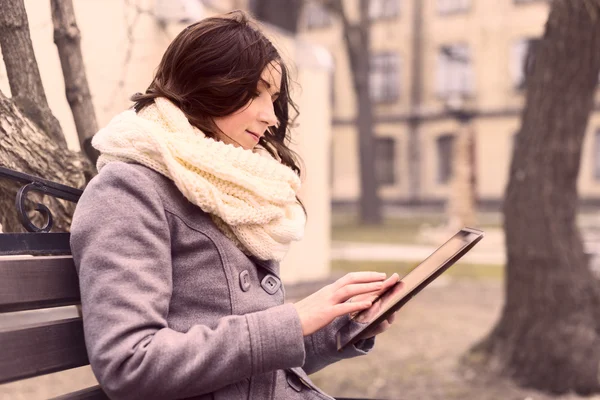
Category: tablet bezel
[441,269]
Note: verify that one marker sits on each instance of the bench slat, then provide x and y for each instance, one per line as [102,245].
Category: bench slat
[92,393]
[37,282]
[38,244]
[41,349]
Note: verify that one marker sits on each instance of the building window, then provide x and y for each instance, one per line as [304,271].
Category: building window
[597,155]
[445,144]
[522,60]
[453,6]
[385,160]
[382,9]
[455,71]
[384,77]
[316,16]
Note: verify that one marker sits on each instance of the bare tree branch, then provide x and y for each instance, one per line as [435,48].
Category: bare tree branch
[131,24]
[22,69]
[67,38]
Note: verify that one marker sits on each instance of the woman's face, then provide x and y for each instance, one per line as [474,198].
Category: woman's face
[246,126]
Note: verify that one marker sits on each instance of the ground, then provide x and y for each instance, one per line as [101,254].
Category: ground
[419,357]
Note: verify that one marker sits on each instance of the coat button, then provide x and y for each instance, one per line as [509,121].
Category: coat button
[245,280]
[294,382]
[271,284]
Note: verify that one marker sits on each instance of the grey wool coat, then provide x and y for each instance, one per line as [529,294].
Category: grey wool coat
[172,309]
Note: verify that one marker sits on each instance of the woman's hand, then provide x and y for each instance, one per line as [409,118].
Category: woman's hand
[382,327]
[388,283]
[385,325]
[322,307]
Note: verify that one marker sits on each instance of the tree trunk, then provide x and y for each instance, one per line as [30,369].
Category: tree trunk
[24,147]
[22,70]
[67,39]
[357,41]
[548,333]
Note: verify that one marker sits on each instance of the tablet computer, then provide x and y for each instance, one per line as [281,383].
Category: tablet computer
[412,283]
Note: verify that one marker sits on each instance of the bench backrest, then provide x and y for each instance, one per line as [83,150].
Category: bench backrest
[39,274]
[33,349]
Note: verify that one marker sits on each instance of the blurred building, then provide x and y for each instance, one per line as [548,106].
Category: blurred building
[427,56]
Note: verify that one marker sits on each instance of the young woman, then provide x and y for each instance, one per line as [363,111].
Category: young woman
[178,239]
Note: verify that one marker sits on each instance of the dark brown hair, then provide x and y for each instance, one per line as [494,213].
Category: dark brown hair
[212,69]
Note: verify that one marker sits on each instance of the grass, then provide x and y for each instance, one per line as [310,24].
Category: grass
[393,230]
[403,229]
[460,270]
[396,229]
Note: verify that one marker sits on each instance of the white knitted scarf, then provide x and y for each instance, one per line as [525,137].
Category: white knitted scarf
[250,195]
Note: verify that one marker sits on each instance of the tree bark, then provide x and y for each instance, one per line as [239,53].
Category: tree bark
[25,148]
[548,334]
[22,70]
[357,42]
[67,38]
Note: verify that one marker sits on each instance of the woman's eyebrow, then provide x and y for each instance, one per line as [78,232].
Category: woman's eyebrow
[267,84]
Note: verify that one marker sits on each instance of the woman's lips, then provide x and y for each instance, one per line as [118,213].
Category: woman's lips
[254,135]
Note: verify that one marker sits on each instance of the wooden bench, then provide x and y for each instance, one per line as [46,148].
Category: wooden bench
[40,274]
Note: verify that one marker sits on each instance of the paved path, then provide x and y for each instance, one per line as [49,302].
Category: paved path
[491,250]
[406,252]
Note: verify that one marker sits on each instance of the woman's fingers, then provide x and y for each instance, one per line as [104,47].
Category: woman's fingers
[384,326]
[388,283]
[358,277]
[346,292]
[323,306]
[391,281]
[351,307]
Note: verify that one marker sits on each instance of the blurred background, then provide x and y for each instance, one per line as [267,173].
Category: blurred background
[410,116]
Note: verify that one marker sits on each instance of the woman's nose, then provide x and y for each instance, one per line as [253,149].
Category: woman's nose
[267,114]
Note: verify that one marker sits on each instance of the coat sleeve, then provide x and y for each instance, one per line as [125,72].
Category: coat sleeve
[121,247]
[321,346]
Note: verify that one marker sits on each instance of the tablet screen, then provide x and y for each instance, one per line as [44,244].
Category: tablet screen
[416,279]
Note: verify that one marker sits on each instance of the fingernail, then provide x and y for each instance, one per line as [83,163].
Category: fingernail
[382,274]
